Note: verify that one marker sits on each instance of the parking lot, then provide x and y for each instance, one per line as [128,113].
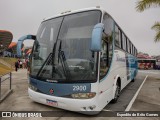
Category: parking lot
[148,98]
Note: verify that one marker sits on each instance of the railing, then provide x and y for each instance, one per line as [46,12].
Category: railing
[5,86]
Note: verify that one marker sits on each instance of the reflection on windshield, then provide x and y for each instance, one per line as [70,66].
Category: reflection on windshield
[68,57]
[43,46]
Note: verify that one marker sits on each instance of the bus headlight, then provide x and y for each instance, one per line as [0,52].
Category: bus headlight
[83,95]
[32,87]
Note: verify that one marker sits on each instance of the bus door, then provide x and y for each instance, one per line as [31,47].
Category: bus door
[104,60]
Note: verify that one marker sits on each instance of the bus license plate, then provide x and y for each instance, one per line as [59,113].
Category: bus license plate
[51,102]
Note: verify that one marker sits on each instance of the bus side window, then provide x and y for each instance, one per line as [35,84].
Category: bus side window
[124,41]
[107,46]
[128,46]
[117,37]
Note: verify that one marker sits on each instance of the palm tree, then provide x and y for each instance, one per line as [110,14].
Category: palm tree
[156,27]
[145,4]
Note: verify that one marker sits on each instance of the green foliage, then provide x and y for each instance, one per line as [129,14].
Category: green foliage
[156,27]
[145,4]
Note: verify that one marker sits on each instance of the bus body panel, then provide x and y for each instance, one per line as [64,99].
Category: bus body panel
[105,87]
[60,89]
[64,103]
[123,66]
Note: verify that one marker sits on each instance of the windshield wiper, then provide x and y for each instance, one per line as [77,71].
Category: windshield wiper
[62,58]
[46,61]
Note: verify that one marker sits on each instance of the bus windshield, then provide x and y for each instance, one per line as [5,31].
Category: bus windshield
[62,49]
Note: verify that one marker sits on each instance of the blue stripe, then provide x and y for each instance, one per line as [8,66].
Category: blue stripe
[60,89]
[132,66]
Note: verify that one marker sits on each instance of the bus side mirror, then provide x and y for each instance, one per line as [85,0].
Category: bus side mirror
[20,42]
[97,37]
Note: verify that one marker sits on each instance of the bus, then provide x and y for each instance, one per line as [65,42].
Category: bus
[157,65]
[147,64]
[80,61]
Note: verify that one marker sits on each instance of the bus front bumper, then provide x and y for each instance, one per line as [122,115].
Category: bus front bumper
[86,106]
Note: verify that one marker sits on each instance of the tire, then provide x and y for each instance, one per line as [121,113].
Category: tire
[133,80]
[117,93]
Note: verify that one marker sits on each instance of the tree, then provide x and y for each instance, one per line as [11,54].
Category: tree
[156,27]
[145,4]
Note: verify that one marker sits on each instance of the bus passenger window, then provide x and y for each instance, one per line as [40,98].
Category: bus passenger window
[128,46]
[124,41]
[117,37]
[131,48]
[104,59]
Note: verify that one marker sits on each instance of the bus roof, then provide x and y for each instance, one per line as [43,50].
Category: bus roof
[75,11]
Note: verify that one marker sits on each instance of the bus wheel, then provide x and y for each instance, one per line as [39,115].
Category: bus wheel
[117,93]
[134,76]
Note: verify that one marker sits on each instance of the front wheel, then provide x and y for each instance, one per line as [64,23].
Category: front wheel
[117,93]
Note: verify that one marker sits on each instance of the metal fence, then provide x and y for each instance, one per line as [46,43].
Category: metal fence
[5,86]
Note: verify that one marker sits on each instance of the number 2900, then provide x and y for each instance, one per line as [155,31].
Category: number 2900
[79,88]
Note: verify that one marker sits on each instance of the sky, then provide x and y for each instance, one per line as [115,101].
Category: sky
[23,17]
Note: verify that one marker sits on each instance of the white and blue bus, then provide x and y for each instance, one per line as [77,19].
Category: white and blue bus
[80,61]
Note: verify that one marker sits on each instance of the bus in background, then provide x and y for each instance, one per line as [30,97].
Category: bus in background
[147,64]
[158,65]
[80,61]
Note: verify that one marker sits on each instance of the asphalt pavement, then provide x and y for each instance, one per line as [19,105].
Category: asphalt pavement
[148,98]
